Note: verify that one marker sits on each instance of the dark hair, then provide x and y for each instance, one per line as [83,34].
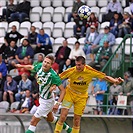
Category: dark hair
[51,57]
[9,76]
[77,42]
[80,58]
[26,40]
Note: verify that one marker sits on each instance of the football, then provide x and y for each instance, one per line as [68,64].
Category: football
[84,12]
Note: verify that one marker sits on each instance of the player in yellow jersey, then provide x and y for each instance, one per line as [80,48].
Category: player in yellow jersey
[76,91]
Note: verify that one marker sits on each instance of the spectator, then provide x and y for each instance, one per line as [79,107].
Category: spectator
[62,54]
[21,71]
[1,87]
[44,44]
[22,11]
[32,37]
[10,89]
[131,8]
[113,90]
[9,54]
[35,90]
[92,20]
[77,51]
[126,26]
[99,41]
[38,62]
[112,7]
[98,89]
[24,51]
[74,13]
[11,8]
[67,65]
[127,89]
[80,26]
[24,84]
[114,24]
[3,68]
[13,35]
[102,56]
[89,40]
[55,67]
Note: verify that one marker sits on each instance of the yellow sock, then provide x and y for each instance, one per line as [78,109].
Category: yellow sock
[58,127]
[75,129]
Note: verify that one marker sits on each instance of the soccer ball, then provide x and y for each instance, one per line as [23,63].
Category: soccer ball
[84,12]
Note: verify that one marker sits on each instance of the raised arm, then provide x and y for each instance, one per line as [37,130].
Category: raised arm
[28,67]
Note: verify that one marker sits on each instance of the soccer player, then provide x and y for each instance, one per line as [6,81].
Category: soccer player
[76,92]
[47,79]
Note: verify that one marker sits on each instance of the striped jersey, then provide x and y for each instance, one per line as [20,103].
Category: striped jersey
[46,80]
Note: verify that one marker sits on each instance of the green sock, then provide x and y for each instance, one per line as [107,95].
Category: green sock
[29,131]
[65,125]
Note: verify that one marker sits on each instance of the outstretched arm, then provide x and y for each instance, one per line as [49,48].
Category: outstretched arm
[114,80]
[28,67]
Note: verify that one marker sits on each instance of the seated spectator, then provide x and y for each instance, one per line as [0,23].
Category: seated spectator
[24,84]
[55,67]
[114,24]
[102,56]
[27,103]
[13,35]
[32,37]
[126,26]
[36,63]
[10,89]
[9,54]
[76,5]
[127,89]
[22,11]
[10,8]
[62,54]
[112,7]
[35,90]
[92,20]
[99,41]
[2,80]
[75,52]
[89,40]
[24,51]
[3,68]
[67,65]
[80,26]
[44,44]
[21,71]
[99,87]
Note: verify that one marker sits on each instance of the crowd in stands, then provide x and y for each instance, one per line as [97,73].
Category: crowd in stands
[98,45]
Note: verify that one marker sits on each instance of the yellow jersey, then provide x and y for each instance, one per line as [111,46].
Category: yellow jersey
[79,81]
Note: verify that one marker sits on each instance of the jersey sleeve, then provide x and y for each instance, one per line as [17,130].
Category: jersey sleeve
[67,73]
[37,67]
[56,80]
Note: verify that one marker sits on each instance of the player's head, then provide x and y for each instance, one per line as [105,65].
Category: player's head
[80,63]
[47,63]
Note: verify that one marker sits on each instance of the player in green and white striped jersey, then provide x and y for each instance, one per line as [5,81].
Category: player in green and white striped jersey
[47,79]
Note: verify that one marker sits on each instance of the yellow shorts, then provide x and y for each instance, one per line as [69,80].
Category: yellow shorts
[77,100]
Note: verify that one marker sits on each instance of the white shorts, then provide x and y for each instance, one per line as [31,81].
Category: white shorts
[44,108]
